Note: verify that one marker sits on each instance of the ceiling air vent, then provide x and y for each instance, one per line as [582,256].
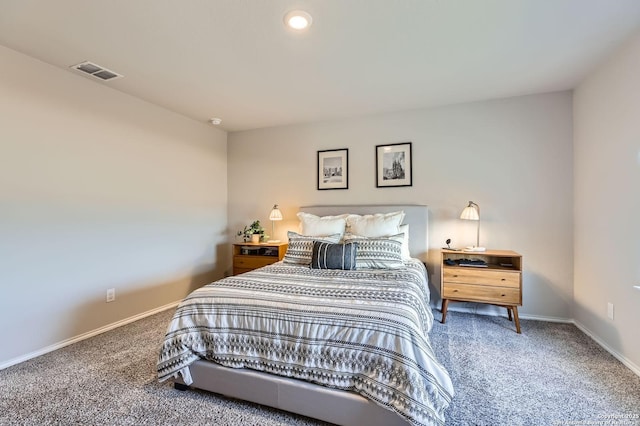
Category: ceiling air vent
[96,71]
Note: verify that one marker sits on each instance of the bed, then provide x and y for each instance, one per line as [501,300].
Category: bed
[349,347]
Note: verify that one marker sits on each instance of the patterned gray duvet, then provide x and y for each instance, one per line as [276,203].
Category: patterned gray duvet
[364,331]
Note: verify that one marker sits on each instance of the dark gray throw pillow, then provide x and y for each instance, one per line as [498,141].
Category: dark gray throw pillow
[334,256]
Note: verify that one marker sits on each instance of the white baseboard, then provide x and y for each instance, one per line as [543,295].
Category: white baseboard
[86,335]
[633,367]
[544,318]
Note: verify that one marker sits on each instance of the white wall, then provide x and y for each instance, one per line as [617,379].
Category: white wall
[513,157]
[607,202]
[99,190]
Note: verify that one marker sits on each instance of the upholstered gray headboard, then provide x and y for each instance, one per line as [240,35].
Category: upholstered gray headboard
[416,216]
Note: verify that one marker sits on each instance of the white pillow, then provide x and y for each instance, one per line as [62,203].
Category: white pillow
[313,226]
[397,237]
[406,254]
[375,225]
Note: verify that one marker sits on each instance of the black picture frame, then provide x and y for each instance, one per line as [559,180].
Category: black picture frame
[333,169]
[394,165]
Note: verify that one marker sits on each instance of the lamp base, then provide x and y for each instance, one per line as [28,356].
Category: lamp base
[478,249]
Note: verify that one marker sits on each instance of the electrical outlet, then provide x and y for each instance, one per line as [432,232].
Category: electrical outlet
[610,310]
[111,295]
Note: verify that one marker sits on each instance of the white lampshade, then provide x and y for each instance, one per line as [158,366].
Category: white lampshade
[276,214]
[470,212]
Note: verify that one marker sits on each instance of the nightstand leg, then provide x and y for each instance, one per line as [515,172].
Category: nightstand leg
[445,305]
[509,312]
[515,317]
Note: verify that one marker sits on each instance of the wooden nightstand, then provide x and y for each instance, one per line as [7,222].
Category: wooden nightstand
[499,283]
[249,256]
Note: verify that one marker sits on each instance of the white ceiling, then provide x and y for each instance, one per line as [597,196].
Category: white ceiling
[234,59]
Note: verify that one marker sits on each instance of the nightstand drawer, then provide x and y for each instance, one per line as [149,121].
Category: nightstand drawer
[253,262]
[482,276]
[482,293]
[238,271]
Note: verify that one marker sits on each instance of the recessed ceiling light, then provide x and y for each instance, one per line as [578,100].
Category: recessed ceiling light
[297,20]
[215,121]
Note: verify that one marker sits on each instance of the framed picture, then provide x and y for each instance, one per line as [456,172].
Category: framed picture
[393,165]
[333,169]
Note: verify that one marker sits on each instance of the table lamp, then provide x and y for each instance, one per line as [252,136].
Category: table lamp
[472,212]
[275,214]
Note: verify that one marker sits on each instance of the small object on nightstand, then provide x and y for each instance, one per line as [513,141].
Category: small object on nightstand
[448,247]
[477,263]
[246,250]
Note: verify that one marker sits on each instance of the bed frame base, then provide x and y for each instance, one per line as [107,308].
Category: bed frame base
[296,396]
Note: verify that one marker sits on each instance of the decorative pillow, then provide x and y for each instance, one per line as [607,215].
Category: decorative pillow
[300,247]
[334,256]
[406,254]
[378,253]
[313,225]
[375,225]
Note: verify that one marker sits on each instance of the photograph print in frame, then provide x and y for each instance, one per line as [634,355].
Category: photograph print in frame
[333,169]
[393,165]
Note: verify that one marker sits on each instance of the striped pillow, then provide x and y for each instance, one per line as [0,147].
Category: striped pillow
[377,253]
[300,247]
[334,256]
